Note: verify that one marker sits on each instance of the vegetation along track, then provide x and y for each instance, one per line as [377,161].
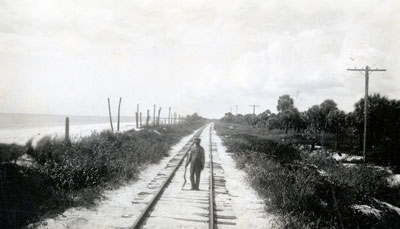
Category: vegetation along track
[174,206]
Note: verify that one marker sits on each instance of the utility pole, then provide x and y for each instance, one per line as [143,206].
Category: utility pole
[254,108]
[236,108]
[366,71]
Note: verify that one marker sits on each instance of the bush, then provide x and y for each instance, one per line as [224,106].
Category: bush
[25,195]
[10,152]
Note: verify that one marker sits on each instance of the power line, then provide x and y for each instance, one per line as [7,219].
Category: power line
[366,71]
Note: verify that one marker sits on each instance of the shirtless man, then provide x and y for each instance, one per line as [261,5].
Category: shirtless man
[196,160]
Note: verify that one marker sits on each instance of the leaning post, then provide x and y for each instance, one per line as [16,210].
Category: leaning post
[109,113]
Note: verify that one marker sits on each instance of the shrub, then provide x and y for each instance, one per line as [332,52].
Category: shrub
[25,195]
[10,152]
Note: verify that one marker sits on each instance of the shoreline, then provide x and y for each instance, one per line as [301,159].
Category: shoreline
[22,135]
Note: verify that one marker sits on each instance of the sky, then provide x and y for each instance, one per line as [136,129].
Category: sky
[68,57]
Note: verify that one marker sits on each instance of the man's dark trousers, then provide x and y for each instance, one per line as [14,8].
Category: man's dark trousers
[195,171]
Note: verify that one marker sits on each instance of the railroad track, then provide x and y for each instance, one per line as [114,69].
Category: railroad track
[168,205]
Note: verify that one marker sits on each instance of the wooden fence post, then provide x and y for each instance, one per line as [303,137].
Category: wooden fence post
[140,120]
[119,110]
[148,117]
[169,116]
[67,140]
[137,120]
[109,112]
[158,119]
[137,116]
[154,115]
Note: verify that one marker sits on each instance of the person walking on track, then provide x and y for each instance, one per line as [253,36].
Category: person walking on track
[196,159]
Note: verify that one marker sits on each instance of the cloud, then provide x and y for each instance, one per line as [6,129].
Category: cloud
[193,55]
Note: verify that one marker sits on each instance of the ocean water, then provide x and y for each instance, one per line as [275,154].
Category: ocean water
[12,121]
[19,128]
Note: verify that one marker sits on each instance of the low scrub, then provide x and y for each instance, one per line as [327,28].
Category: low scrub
[71,174]
[10,152]
[311,190]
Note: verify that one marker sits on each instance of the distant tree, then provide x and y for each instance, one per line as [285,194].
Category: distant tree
[228,117]
[383,133]
[289,118]
[302,122]
[298,120]
[381,118]
[284,103]
[262,118]
[251,119]
[314,118]
[336,123]
[273,122]
[317,115]
[265,115]
[193,117]
[327,106]
[239,118]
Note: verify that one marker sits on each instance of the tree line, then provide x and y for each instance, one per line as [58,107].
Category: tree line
[326,124]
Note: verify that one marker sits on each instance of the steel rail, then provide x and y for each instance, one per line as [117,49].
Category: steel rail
[139,221]
[211,197]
